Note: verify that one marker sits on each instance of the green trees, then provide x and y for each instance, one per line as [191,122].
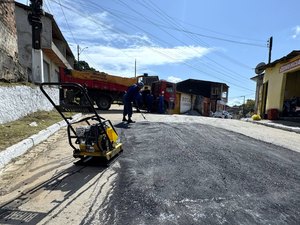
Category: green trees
[248,107]
[83,65]
[243,110]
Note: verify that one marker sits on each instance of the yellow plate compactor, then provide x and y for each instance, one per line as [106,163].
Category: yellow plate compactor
[92,135]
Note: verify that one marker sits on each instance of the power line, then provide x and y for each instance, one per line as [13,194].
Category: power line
[164,16]
[241,96]
[189,65]
[196,26]
[50,7]
[186,64]
[89,18]
[47,6]
[218,53]
[157,9]
[166,55]
[67,22]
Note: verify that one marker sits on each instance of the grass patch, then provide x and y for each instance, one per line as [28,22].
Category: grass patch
[12,84]
[16,131]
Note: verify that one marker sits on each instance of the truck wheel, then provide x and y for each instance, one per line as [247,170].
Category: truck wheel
[103,103]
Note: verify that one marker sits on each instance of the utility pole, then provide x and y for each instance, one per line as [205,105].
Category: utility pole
[243,106]
[34,19]
[270,45]
[135,68]
[78,53]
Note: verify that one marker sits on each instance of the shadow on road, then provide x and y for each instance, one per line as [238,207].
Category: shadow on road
[122,125]
[110,111]
[287,123]
[71,183]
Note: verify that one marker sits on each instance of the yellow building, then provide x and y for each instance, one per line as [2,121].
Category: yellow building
[278,89]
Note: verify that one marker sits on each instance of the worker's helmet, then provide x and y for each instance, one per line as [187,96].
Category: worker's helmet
[140,84]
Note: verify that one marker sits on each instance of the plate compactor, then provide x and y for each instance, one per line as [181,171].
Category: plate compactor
[92,135]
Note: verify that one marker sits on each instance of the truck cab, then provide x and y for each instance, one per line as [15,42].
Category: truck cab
[166,91]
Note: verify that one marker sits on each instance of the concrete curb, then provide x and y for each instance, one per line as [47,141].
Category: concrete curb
[278,126]
[23,146]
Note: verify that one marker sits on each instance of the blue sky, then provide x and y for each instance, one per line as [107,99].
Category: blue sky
[213,40]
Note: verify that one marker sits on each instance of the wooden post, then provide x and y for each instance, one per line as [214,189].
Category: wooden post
[270,48]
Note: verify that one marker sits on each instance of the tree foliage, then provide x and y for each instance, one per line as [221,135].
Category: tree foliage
[248,107]
[83,65]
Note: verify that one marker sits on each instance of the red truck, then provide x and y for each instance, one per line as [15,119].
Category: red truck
[167,90]
[104,89]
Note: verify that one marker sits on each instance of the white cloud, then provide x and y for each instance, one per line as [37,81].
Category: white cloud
[235,101]
[174,79]
[96,29]
[296,31]
[84,26]
[109,47]
[112,50]
[121,61]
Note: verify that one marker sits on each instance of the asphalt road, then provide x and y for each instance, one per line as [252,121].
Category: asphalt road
[183,173]
[169,173]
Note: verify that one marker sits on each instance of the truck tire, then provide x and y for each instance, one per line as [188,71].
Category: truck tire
[103,102]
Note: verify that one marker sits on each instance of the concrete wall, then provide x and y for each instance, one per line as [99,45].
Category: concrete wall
[279,86]
[10,69]
[260,101]
[276,85]
[201,104]
[24,39]
[19,101]
[8,31]
[185,102]
[61,47]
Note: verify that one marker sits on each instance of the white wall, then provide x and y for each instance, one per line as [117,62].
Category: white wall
[185,102]
[19,101]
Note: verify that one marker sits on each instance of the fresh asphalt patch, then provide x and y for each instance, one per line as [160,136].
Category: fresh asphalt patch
[183,173]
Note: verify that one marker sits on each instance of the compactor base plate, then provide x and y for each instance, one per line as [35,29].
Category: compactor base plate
[108,155]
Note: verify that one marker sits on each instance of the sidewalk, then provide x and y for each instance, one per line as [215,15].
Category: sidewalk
[279,124]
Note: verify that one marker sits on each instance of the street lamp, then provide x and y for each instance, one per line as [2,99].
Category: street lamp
[79,52]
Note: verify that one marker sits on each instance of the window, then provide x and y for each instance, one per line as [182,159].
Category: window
[224,94]
[46,71]
[169,89]
[215,91]
[56,77]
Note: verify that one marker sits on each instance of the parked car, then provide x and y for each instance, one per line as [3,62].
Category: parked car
[222,114]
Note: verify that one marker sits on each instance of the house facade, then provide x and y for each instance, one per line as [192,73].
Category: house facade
[204,96]
[55,49]
[278,89]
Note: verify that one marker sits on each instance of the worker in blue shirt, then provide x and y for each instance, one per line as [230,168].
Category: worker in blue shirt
[161,105]
[130,96]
